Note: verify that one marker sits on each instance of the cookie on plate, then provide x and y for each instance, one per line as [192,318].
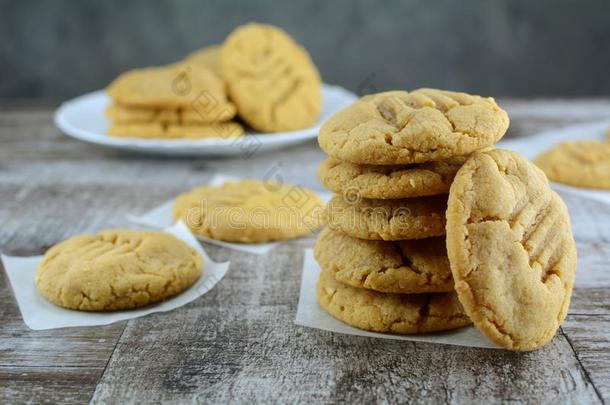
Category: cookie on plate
[407,267]
[208,57]
[219,130]
[397,127]
[120,114]
[167,87]
[511,249]
[116,269]
[584,163]
[271,79]
[409,218]
[390,181]
[250,211]
[393,313]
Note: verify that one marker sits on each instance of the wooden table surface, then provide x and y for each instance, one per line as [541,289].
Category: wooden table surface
[238,343]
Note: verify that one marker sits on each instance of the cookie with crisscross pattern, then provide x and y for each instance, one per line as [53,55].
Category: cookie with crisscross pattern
[511,249]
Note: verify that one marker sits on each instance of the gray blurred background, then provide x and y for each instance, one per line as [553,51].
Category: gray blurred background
[53,50]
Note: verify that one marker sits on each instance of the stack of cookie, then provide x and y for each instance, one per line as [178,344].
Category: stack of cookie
[175,101]
[393,158]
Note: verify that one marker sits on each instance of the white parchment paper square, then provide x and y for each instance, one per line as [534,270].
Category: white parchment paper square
[40,314]
[161,217]
[310,314]
[532,146]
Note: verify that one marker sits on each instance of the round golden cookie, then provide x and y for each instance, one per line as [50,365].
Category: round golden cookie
[397,127]
[409,218]
[208,57]
[578,163]
[116,269]
[511,249]
[271,79]
[390,181]
[392,313]
[406,267]
[120,114]
[220,130]
[180,85]
[250,211]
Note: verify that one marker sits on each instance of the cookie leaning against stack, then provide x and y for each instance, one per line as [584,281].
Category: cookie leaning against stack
[392,159]
[511,249]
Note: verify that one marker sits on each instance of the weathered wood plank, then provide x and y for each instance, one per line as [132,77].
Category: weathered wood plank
[590,338]
[69,347]
[47,385]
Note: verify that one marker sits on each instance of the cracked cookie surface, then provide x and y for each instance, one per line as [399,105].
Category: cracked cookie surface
[391,313]
[399,127]
[404,267]
[409,218]
[172,86]
[271,79]
[116,269]
[583,163]
[389,181]
[250,211]
[511,249]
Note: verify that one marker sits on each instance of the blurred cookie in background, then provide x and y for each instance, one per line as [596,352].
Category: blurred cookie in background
[584,163]
[250,211]
[271,79]
[208,57]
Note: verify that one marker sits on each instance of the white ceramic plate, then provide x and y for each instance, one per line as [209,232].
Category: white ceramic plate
[84,118]
[532,145]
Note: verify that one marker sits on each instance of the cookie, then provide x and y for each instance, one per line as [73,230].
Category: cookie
[578,163]
[390,181]
[410,218]
[220,130]
[119,114]
[271,79]
[511,249]
[249,211]
[173,86]
[392,313]
[407,267]
[397,127]
[208,57]
[116,269]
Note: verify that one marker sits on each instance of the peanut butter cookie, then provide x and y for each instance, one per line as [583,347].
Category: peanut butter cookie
[208,57]
[250,211]
[392,313]
[511,249]
[409,218]
[407,267]
[578,163]
[390,181]
[116,269]
[119,114]
[167,87]
[220,130]
[271,79]
[397,127]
